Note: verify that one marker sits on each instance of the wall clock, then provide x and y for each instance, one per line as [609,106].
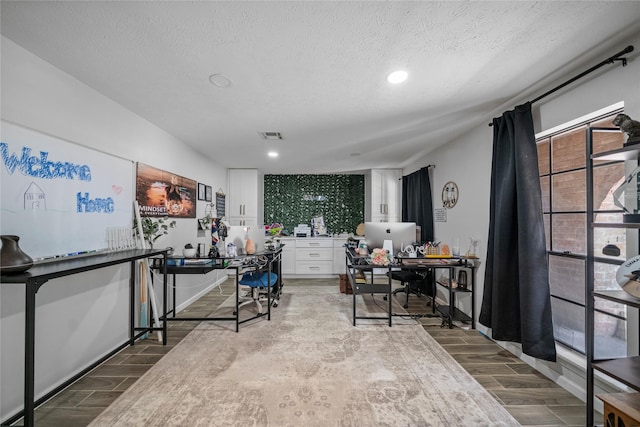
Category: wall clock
[449,194]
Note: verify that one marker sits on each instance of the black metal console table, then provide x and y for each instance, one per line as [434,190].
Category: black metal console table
[240,264]
[40,274]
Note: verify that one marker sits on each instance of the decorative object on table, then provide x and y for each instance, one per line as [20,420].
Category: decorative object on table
[432,249]
[152,229]
[12,259]
[473,248]
[317,226]
[232,250]
[450,195]
[628,276]
[611,250]
[626,198]
[360,229]
[273,229]
[380,257]
[189,251]
[249,244]
[629,126]
[362,248]
[444,250]
[462,279]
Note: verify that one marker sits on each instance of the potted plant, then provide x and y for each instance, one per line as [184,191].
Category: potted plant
[152,229]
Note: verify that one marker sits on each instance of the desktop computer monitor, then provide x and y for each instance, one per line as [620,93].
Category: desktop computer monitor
[401,234]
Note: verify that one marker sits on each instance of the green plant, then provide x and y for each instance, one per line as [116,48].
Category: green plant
[152,229]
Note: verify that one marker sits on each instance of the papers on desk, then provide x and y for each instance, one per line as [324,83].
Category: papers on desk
[197,261]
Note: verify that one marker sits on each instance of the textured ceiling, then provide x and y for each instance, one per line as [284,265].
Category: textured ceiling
[315,71]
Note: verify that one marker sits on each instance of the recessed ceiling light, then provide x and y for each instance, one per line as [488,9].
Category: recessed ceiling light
[272,154]
[220,80]
[397,77]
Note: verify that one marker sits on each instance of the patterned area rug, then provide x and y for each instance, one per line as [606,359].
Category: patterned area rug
[308,366]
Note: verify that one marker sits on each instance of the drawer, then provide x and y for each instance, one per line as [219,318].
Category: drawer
[311,254]
[318,267]
[314,243]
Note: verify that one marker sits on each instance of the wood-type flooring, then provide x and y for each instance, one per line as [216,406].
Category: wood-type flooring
[530,397]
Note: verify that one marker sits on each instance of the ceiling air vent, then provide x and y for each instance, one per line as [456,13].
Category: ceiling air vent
[271,135]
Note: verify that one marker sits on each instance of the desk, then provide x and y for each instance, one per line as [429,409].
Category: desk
[449,312]
[357,263]
[40,274]
[238,264]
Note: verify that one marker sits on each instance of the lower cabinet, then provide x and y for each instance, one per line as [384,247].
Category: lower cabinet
[313,256]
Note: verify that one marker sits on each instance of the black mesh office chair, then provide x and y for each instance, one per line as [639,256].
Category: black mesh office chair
[412,283]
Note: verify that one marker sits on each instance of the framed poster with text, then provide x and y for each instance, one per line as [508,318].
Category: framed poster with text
[161,193]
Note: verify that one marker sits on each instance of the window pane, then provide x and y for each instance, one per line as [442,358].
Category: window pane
[605,278]
[606,141]
[608,237]
[569,192]
[546,219]
[606,179]
[568,324]
[609,336]
[569,233]
[543,157]
[566,278]
[544,188]
[568,150]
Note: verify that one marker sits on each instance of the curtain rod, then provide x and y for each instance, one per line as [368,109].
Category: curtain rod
[426,167]
[609,60]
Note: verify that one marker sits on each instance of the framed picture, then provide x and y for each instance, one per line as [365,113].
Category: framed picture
[161,193]
[208,193]
[201,191]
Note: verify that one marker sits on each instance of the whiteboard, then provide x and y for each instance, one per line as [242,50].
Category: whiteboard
[59,197]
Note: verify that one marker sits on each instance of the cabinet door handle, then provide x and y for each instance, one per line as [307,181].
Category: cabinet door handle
[313,267]
[314,254]
[314,244]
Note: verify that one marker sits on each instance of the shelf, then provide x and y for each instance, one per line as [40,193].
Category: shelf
[625,370]
[625,153]
[618,296]
[446,285]
[457,314]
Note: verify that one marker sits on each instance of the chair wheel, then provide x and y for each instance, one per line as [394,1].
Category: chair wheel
[384,297]
[406,306]
[275,304]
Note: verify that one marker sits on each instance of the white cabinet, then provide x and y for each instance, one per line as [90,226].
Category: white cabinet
[314,255]
[246,198]
[386,195]
[288,265]
[339,256]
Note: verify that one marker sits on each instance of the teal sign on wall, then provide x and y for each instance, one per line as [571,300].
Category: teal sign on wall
[295,199]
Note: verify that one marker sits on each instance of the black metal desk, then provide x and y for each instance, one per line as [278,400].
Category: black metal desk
[448,313]
[181,265]
[38,275]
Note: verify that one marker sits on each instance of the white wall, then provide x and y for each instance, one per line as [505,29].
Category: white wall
[467,161]
[83,317]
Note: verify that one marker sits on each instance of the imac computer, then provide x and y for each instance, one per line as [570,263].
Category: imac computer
[401,234]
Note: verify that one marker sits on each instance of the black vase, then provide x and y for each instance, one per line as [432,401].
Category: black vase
[12,259]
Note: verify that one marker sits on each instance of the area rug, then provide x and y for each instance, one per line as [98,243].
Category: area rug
[308,366]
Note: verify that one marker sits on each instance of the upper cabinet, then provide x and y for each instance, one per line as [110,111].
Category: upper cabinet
[246,198]
[386,195]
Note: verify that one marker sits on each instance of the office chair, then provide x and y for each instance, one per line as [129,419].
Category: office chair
[411,283]
[258,282]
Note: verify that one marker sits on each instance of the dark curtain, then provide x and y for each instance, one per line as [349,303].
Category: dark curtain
[516,304]
[416,202]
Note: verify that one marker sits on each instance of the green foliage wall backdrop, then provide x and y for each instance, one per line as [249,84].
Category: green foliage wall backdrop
[295,199]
